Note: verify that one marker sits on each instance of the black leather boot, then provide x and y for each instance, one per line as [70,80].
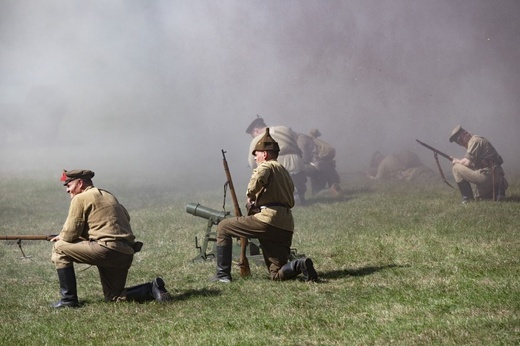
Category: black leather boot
[68,290]
[466,191]
[159,292]
[308,271]
[304,265]
[139,293]
[149,291]
[224,255]
[501,190]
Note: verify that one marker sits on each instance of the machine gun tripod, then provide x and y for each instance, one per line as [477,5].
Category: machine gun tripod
[254,251]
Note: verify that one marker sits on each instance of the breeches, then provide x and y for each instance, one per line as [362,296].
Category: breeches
[326,175]
[275,242]
[112,265]
[482,178]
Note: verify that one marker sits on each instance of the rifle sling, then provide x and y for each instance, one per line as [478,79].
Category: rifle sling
[440,169]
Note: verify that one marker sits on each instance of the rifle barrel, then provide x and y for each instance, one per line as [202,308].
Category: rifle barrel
[435,150]
[28,237]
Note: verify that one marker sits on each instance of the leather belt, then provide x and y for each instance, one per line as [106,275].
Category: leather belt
[273,205]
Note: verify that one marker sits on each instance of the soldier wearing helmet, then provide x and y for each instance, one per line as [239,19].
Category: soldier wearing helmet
[271,191]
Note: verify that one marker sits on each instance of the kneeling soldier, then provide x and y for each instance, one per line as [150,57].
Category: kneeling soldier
[271,190]
[97,232]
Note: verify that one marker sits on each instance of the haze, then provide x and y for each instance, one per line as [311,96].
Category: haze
[155,89]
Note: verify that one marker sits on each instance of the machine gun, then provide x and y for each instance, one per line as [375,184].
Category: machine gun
[214,217]
[19,239]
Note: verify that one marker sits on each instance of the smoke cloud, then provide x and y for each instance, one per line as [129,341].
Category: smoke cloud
[156,89]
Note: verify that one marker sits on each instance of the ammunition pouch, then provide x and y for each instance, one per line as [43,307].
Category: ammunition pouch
[137,246]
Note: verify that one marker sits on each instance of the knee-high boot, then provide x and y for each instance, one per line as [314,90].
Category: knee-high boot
[154,290]
[224,257]
[304,265]
[466,191]
[68,289]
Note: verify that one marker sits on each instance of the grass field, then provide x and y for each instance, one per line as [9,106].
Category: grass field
[401,264]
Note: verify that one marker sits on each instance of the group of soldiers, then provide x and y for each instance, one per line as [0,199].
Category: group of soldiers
[97,230]
[480,166]
[305,156]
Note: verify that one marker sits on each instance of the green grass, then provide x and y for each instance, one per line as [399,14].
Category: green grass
[401,264]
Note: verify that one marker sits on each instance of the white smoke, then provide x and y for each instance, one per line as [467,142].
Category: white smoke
[163,86]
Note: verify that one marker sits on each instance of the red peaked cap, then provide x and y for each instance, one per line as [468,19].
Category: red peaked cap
[68,176]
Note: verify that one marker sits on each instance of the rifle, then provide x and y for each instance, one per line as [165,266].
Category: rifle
[437,152]
[243,263]
[19,239]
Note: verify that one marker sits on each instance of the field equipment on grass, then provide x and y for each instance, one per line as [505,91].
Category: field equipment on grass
[214,217]
[19,239]
[247,249]
[208,252]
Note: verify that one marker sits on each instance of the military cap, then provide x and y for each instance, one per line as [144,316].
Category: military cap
[258,122]
[315,133]
[266,143]
[69,176]
[455,133]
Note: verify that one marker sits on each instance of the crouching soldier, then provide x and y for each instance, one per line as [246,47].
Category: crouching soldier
[481,166]
[97,232]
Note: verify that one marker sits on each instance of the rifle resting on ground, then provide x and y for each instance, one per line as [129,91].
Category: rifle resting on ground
[243,263]
[437,152]
[19,239]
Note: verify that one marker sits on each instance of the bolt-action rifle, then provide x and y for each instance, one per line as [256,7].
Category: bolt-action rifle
[19,239]
[243,263]
[437,152]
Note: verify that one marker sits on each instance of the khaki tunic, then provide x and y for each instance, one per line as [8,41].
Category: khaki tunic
[389,168]
[97,232]
[482,153]
[307,147]
[96,215]
[271,184]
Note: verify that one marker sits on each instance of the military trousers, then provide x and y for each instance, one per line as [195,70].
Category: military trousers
[482,178]
[325,175]
[112,265]
[300,184]
[275,242]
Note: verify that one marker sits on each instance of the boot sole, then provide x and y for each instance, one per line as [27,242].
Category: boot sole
[222,280]
[159,292]
[312,275]
[61,305]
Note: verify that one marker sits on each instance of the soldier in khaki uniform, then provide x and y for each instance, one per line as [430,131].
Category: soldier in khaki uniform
[402,166]
[97,232]
[290,154]
[481,165]
[325,164]
[270,190]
